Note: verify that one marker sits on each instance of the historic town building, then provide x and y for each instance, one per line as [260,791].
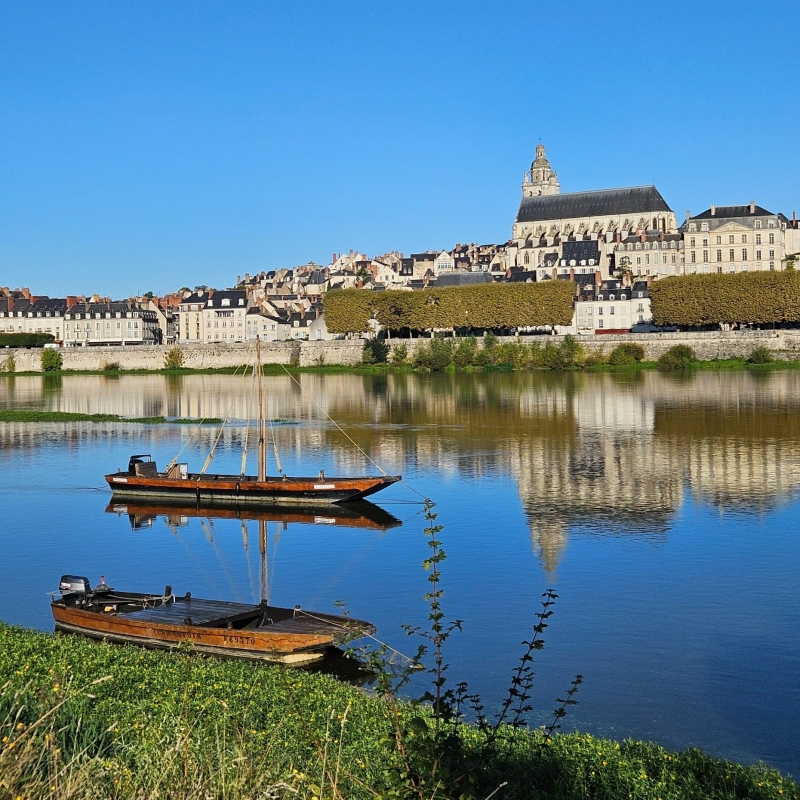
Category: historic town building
[579,230]
[735,239]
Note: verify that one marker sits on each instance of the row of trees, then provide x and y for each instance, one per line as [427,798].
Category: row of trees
[746,297]
[25,339]
[487,306]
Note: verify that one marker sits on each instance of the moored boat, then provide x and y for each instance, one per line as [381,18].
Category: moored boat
[143,480]
[260,632]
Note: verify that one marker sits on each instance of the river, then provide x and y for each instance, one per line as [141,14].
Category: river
[662,509]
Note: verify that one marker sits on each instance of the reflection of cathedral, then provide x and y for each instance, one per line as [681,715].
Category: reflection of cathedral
[600,454]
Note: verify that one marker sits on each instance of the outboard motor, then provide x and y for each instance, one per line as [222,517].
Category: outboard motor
[74,584]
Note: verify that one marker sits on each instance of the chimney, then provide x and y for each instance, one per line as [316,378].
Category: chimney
[71,301]
[714,210]
[597,277]
[661,236]
[687,215]
[619,237]
[26,293]
[10,301]
[794,219]
[752,206]
[642,237]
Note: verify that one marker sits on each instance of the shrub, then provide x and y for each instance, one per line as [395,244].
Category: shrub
[52,360]
[376,351]
[760,355]
[626,353]
[465,351]
[173,358]
[110,366]
[436,356]
[9,365]
[595,358]
[678,357]
[514,353]
[399,354]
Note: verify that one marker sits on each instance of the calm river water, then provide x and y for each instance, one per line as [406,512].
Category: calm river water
[663,510]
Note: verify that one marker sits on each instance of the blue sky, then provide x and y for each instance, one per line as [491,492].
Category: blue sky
[148,145]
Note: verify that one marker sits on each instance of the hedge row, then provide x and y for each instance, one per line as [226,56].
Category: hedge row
[25,339]
[746,297]
[485,307]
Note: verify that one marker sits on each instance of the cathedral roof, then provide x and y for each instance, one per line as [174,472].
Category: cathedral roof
[600,203]
[729,212]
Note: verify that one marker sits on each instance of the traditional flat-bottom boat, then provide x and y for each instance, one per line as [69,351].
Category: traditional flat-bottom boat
[260,632]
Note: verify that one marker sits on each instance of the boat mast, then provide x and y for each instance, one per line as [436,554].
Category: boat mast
[262,425]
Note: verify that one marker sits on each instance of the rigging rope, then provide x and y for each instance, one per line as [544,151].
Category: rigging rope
[348,437]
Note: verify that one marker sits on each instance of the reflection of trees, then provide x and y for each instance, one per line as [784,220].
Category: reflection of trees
[602,453]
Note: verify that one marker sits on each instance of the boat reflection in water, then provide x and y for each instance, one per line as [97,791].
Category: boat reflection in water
[360,514]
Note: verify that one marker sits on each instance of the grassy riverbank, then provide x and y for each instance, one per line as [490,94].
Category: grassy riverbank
[85,720]
[20,415]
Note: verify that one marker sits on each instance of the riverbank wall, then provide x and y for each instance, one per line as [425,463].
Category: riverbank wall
[784,344]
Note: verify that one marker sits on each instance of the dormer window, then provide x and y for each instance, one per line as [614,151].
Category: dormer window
[611,297]
[241,301]
[226,301]
[210,303]
[704,226]
[692,227]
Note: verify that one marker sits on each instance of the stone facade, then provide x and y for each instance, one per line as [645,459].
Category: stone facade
[735,239]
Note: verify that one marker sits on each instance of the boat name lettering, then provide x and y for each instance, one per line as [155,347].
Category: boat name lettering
[239,639]
[165,634]
[324,521]
[120,480]
[324,486]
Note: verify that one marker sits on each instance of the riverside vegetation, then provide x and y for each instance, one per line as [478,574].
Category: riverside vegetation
[85,720]
[468,354]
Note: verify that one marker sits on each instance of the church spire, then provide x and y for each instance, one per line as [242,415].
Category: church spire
[541,179]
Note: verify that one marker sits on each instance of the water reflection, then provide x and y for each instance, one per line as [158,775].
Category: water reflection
[613,454]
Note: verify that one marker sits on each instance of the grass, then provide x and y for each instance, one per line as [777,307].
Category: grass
[86,720]
[19,415]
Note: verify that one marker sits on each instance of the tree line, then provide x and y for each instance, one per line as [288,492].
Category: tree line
[484,307]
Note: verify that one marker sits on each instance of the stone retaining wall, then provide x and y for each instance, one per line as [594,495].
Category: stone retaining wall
[784,344]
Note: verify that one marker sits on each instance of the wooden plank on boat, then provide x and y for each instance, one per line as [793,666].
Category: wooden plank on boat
[201,612]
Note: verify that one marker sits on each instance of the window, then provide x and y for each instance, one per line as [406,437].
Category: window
[611,297]
[772,238]
[719,269]
[622,297]
[758,238]
[640,294]
[638,259]
[640,308]
[692,227]
[744,254]
[611,310]
[600,311]
[771,223]
[772,254]
[704,226]
[705,256]
[599,323]
[719,240]
[691,241]
[758,255]
[731,255]
[758,223]
[772,265]
[719,255]
[692,258]
[705,242]
[731,239]
[744,238]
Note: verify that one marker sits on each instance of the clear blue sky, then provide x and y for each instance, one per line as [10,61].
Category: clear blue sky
[148,145]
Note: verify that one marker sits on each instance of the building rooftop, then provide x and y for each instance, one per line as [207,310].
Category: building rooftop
[599,203]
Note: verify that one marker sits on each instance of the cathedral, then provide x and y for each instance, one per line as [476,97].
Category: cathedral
[558,235]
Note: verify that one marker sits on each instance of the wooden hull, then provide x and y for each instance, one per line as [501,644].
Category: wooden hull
[259,644]
[201,490]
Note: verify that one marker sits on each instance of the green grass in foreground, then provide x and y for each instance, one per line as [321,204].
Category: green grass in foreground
[18,415]
[85,720]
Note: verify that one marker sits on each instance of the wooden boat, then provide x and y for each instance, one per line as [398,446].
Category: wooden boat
[143,480]
[260,632]
[359,514]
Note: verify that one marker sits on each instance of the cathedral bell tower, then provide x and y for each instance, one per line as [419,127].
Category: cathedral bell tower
[540,180]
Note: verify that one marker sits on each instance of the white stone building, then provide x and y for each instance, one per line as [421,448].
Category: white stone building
[735,239]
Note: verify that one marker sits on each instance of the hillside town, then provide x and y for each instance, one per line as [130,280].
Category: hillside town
[610,243]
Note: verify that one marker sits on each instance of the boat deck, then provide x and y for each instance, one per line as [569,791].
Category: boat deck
[202,612]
